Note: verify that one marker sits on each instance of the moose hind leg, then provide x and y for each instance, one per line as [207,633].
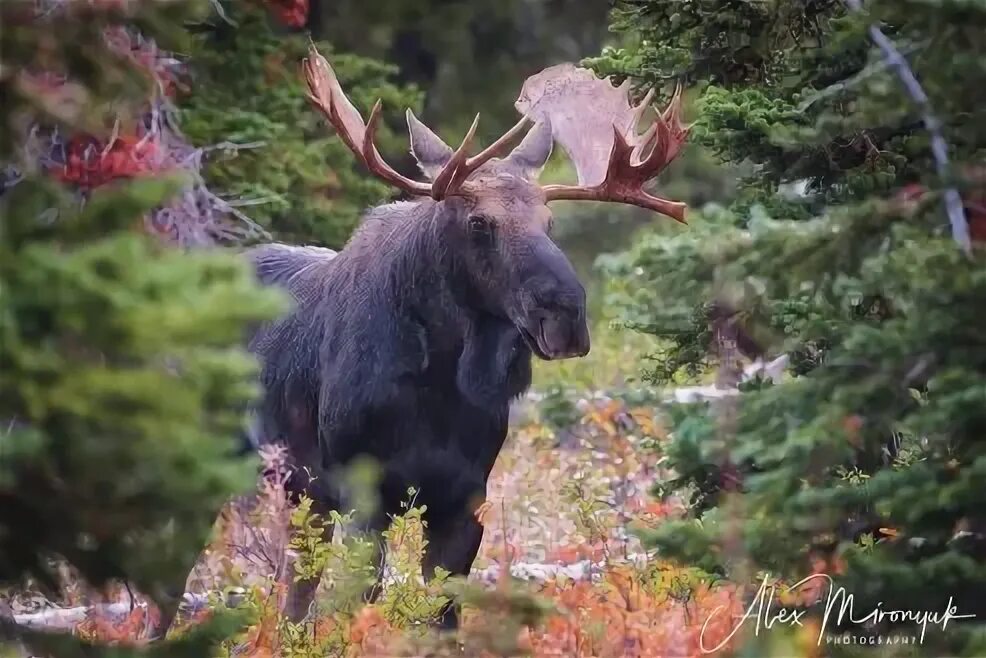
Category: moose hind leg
[452,546]
[169,601]
[373,533]
[301,593]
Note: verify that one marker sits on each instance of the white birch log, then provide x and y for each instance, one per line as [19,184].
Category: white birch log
[535,572]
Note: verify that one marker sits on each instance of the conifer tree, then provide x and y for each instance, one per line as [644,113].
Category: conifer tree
[844,252]
[122,377]
[245,90]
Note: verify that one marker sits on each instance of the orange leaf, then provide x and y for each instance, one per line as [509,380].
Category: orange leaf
[483,511]
[368,618]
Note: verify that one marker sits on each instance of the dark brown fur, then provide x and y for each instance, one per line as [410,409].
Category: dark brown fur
[408,345]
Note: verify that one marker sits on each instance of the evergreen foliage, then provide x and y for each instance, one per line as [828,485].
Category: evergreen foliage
[837,252]
[246,89]
[122,386]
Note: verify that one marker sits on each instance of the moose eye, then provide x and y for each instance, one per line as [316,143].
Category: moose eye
[481,229]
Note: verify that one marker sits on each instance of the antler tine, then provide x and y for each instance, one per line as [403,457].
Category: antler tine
[469,165]
[644,142]
[379,167]
[443,182]
[670,135]
[667,119]
[498,146]
[673,110]
[619,154]
[327,95]
[628,169]
[642,106]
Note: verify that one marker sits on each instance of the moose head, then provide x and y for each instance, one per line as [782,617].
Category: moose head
[497,221]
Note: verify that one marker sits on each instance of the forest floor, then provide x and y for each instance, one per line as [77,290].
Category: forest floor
[562,570]
[564,510]
[568,508]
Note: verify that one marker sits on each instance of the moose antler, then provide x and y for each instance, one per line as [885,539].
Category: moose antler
[327,95]
[596,125]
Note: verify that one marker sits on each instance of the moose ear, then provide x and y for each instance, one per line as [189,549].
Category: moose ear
[427,148]
[534,150]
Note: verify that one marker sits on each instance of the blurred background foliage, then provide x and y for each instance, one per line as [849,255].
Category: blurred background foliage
[245,89]
[816,230]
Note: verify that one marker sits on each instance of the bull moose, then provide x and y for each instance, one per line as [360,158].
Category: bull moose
[408,345]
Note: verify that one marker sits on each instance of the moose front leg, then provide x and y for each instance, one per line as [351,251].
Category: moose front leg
[453,547]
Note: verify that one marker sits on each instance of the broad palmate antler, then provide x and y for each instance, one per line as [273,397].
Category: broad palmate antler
[591,119]
[596,125]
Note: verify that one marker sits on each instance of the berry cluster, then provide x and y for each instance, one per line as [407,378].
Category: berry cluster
[973,201]
[89,162]
[152,144]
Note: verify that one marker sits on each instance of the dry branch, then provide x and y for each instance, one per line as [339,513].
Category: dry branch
[939,147]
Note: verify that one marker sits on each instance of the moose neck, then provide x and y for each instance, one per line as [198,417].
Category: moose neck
[408,267]
[418,276]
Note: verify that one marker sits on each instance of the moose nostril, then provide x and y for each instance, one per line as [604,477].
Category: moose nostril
[555,335]
[563,337]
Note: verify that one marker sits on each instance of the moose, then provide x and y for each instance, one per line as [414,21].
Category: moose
[408,345]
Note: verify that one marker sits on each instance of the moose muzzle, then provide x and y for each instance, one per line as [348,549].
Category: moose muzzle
[553,318]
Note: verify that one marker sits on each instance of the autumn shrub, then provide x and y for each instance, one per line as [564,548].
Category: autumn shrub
[576,588]
[264,542]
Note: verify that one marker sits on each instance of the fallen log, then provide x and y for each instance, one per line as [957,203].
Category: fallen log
[534,572]
[68,618]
